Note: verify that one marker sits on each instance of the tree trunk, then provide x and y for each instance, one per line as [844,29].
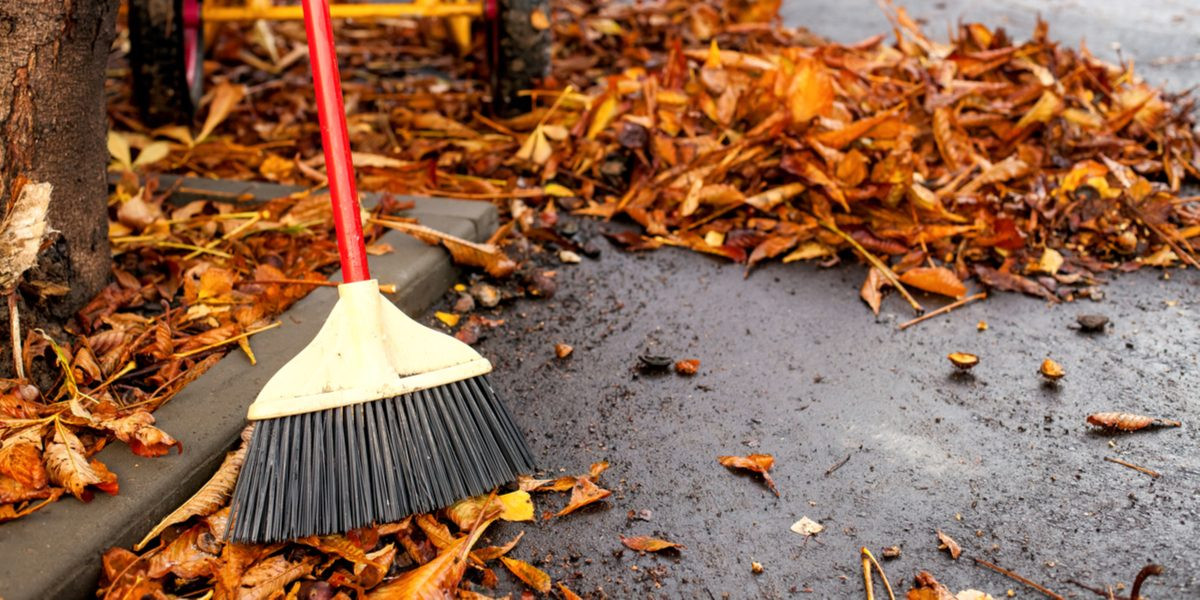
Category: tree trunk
[53,55]
[523,54]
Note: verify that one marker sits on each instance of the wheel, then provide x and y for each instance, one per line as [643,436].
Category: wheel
[166,57]
[519,51]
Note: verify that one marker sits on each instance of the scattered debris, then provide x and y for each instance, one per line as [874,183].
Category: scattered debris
[868,561]
[807,527]
[757,463]
[1016,577]
[563,350]
[1122,421]
[1051,370]
[963,360]
[948,544]
[650,363]
[943,310]
[1151,472]
[450,319]
[891,552]
[1092,323]
[649,544]
[756,567]
[687,366]
[981,326]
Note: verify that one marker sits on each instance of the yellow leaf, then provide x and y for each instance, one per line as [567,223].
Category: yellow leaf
[1046,108]
[178,133]
[536,147]
[558,190]
[1050,262]
[152,153]
[810,93]
[450,319]
[714,238]
[602,116]
[517,506]
[225,97]
[809,250]
[714,56]
[531,575]
[118,147]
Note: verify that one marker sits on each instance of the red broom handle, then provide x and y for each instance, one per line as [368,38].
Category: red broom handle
[336,142]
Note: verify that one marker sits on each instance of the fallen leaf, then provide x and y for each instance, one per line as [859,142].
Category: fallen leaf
[225,97]
[568,594]
[21,457]
[583,493]
[532,576]
[434,580]
[450,319]
[757,463]
[807,527]
[925,587]
[938,280]
[66,465]
[485,256]
[648,544]
[272,575]
[948,544]
[1128,421]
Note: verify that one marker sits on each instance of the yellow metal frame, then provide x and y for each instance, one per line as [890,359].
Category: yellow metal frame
[457,14]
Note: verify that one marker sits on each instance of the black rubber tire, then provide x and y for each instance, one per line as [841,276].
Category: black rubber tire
[522,51]
[156,59]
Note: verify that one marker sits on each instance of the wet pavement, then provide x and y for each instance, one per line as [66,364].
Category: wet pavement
[794,365]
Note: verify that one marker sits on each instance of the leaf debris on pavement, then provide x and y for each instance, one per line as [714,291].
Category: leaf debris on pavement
[755,463]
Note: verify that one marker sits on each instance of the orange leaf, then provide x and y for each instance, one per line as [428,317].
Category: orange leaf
[810,92]
[436,579]
[648,544]
[531,575]
[21,458]
[584,493]
[938,280]
[1127,421]
[758,463]
[568,594]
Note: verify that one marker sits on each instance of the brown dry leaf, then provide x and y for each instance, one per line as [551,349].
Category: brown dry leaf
[925,587]
[144,439]
[567,594]
[810,91]
[583,493]
[648,544]
[490,553]
[485,256]
[437,533]
[536,147]
[434,580]
[224,98]
[872,289]
[531,575]
[948,544]
[189,556]
[21,457]
[338,545]
[757,463]
[938,280]
[210,497]
[66,464]
[22,230]
[602,116]
[1128,421]
[272,575]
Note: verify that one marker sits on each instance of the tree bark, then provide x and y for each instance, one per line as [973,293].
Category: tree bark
[524,54]
[53,55]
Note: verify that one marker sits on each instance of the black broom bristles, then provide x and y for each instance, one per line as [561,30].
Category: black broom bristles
[339,469]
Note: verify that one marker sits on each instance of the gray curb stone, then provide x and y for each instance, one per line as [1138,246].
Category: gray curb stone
[55,553]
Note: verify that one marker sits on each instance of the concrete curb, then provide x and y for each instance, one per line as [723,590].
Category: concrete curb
[55,553]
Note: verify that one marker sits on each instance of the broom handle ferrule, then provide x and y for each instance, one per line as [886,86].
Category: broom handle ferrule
[336,141]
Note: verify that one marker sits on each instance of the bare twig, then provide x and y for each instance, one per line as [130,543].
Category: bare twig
[838,465]
[14,322]
[1016,577]
[866,563]
[875,262]
[1148,570]
[866,552]
[1150,472]
[945,309]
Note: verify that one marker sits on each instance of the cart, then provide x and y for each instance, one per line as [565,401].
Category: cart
[167,44]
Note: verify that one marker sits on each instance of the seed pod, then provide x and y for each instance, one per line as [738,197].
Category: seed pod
[963,360]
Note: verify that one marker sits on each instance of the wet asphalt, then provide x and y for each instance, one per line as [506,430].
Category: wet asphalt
[794,365]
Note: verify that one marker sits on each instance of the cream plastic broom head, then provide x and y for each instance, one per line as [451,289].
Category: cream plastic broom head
[367,350]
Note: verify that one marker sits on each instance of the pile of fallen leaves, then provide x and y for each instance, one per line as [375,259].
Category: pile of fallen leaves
[1024,165]
[190,282]
[430,555]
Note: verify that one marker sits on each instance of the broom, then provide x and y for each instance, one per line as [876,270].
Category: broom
[378,417]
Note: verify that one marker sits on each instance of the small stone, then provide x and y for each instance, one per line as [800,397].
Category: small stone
[590,249]
[541,285]
[485,294]
[568,257]
[1092,323]
[563,350]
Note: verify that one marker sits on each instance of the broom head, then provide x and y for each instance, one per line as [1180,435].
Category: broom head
[377,418]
